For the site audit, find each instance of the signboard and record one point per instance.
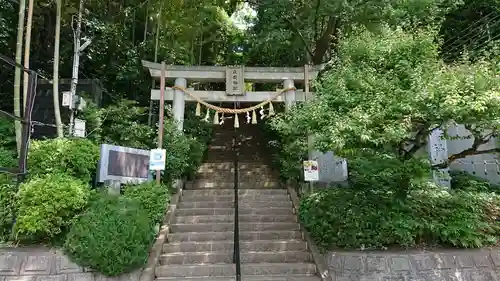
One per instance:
(79, 128)
(123, 164)
(157, 159)
(331, 168)
(234, 81)
(66, 99)
(311, 170)
(438, 153)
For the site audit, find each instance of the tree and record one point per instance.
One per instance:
(17, 75)
(388, 92)
(55, 81)
(27, 48)
(311, 30)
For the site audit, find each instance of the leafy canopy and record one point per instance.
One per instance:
(388, 91)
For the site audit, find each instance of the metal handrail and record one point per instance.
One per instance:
(236, 250)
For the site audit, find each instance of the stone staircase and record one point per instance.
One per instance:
(200, 243)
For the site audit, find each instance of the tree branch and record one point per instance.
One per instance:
(323, 43)
(463, 154)
(318, 4)
(302, 38)
(473, 150)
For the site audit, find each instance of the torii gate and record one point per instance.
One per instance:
(235, 78)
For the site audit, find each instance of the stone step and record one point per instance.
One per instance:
(229, 211)
(227, 176)
(229, 270)
(230, 204)
(229, 166)
(210, 183)
(246, 278)
(230, 218)
(242, 170)
(225, 227)
(225, 192)
(227, 257)
(229, 236)
(218, 246)
(241, 197)
(205, 205)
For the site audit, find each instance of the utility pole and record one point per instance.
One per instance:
(76, 63)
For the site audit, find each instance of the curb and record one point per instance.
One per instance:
(148, 273)
(318, 258)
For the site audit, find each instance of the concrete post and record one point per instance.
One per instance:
(179, 103)
(290, 95)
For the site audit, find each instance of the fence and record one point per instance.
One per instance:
(23, 117)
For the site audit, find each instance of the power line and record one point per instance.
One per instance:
(471, 25)
(14, 64)
(473, 31)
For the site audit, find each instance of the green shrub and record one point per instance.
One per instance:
(48, 204)
(371, 169)
(7, 158)
(7, 193)
(467, 182)
(287, 150)
(113, 236)
(75, 157)
(350, 218)
(152, 197)
(7, 134)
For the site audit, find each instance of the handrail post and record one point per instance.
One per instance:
(236, 253)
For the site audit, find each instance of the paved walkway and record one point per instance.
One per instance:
(442, 265)
(44, 264)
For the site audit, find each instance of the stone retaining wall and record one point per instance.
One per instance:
(457, 265)
(43, 264)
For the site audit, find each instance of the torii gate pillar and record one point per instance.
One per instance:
(290, 95)
(178, 103)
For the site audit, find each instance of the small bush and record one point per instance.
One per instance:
(75, 157)
(7, 193)
(362, 219)
(48, 204)
(113, 236)
(7, 158)
(152, 197)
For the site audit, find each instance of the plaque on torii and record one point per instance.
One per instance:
(235, 82)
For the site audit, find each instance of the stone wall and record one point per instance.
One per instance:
(456, 265)
(43, 264)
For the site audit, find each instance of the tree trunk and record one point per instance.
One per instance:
(27, 47)
(57, 111)
(17, 75)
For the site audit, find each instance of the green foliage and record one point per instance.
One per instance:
(125, 124)
(195, 127)
(471, 27)
(386, 92)
(74, 157)
(288, 32)
(288, 151)
(46, 205)
(152, 197)
(7, 136)
(467, 182)
(365, 219)
(7, 209)
(7, 158)
(113, 236)
(370, 169)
